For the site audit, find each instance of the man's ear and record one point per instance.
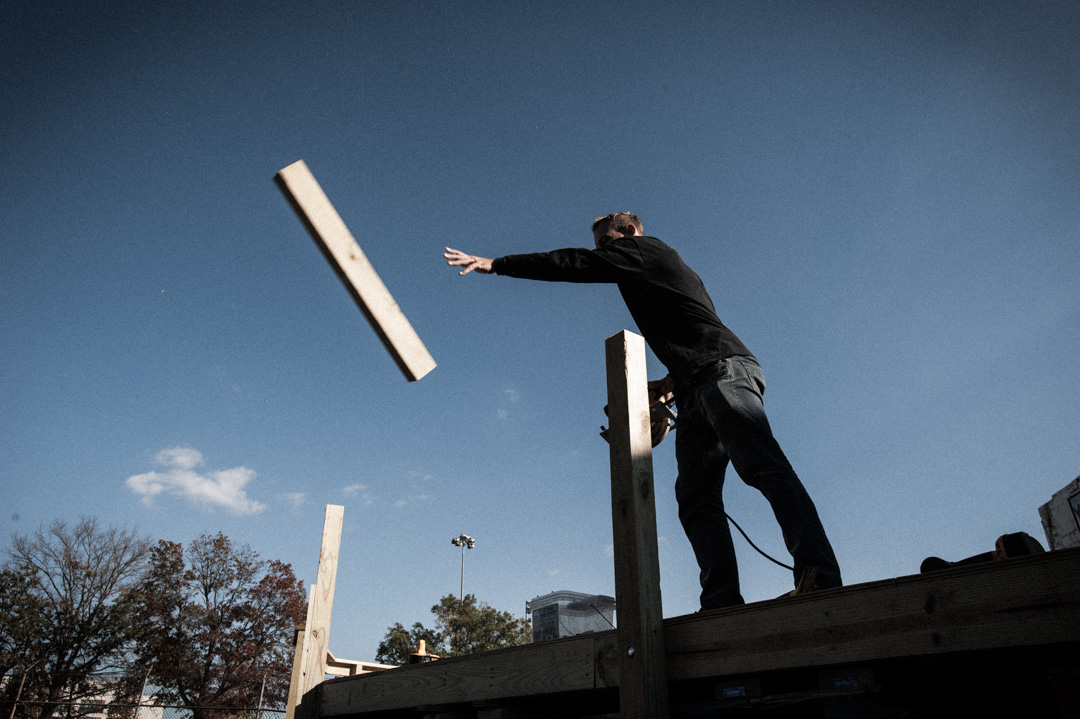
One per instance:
(629, 230)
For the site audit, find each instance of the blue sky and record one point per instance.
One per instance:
(882, 198)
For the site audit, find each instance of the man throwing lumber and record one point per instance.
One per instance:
(717, 385)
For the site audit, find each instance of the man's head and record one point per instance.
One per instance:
(616, 225)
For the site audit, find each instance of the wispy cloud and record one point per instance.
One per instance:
(511, 396)
(360, 492)
(223, 488)
(422, 497)
(295, 499)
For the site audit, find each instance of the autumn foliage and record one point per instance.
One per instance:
(93, 614)
(217, 624)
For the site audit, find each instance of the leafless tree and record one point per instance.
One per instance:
(78, 602)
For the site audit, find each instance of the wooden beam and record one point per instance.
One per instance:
(525, 671)
(350, 668)
(322, 606)
(1020, 602)
(312, 654)
(643, 689)
(356, 273)
(1008, 611)
(296, 682)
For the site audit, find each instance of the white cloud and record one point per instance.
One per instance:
(359, 491)
(609, 550)
(511, 396)
(223, 488)
(296, 499)
(179, 457)
(400, 503)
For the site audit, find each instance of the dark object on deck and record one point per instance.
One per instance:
(1019, 544)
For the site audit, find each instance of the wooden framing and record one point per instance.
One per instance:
(1014, 617)
(321, 606)
(312, 659)
(643, 688)
(997, 638)
(356, 273)
(297, 686)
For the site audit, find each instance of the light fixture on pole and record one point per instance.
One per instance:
(463, 541)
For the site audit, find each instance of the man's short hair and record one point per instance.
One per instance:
(619, 220)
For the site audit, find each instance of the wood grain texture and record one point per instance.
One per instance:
(643, 690)
(534, 669)
(321, 607)
(355, 271)
(296, 681)
(1000, 608)
(1013, 603)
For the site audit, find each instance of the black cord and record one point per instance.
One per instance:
(747, 538)
(602, 615)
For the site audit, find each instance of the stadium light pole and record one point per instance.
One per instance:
(463, 541)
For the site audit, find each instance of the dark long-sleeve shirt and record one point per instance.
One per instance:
(665, 297)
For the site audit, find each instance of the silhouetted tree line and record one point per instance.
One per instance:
(210, 622)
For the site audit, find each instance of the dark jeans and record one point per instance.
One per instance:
(722, 419)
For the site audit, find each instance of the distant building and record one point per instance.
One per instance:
(99, 706)
(566, 614)
(1061, 517)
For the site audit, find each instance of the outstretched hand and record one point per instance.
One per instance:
(468, 263)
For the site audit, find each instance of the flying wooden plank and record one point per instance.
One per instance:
(356, 273)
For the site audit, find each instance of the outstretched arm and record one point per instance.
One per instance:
(468, 263)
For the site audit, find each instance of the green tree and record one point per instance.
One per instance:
(68, 607)
(217, 626)
(462, 626)
(399, 643)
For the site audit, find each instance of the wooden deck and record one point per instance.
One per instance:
(992, 636)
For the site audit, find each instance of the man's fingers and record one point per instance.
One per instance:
(457, 258)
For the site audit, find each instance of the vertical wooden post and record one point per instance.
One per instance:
(314, 640)
(643, 690)
(296, 681)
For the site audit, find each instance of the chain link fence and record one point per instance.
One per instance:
(104, 704)
(92, 709)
